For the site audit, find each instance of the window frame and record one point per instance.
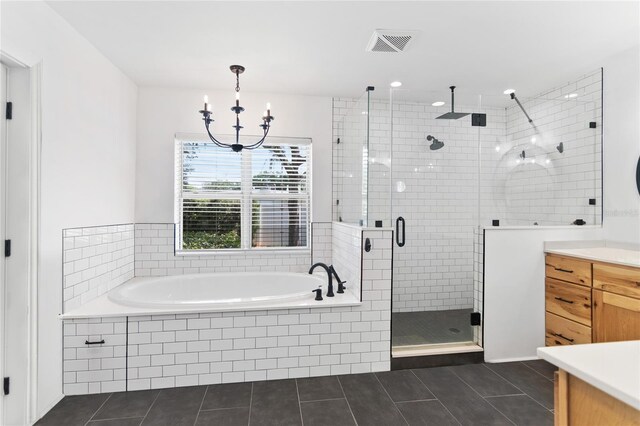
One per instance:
(245, 195)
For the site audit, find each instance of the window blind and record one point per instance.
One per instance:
(255, 199)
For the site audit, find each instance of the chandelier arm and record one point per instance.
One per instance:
(257, 144)
(213, 139)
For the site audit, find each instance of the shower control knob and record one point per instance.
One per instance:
(318, 292)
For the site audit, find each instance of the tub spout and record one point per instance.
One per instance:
(341, 285)
(330, 282)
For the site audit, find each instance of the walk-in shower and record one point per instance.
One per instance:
(438, 183)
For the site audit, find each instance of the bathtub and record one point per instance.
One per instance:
(216, 290)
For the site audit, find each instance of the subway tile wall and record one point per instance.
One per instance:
(478, 280)
(95, 368)
(191, 349)
(436, 193)
(346, 249)
(95, 260)
(548, 187)
(155, 256)
(321, 242)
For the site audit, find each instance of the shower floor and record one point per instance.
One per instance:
(430, 327)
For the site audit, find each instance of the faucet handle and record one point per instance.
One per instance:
(341, 287)
(318, 292)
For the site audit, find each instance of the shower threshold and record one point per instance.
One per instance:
(434, 349)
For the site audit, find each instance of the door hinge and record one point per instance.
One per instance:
(9, 111)
(5, 385)
(7, 248)
(476, 318)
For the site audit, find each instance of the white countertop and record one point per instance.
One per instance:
(603, 253)
(614, 368)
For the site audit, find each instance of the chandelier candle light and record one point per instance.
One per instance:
(267, 118)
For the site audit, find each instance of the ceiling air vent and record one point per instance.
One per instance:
(390, 41)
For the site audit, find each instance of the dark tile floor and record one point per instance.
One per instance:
(429, 327)
(518, 393)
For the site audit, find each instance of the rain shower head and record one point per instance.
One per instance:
(452, 115)
(436, 144)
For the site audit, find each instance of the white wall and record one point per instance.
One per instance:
(164, 112)
(88, 155)
(514, 288)
(621, 146)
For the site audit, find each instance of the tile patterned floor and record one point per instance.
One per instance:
(519, 393)
(429, 327)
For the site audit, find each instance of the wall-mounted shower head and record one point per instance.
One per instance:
(436, 144)
(560, 147)
(452, 115)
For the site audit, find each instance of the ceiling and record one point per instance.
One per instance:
(318, 48)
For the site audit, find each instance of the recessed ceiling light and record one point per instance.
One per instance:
(438, 103)
(396, 84)
(509, 91)
(571, 96)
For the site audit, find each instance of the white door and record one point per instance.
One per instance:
(15, 223)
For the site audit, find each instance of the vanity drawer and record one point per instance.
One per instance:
(568, 269)
(561, 331)
(617, 279)
(568, 300)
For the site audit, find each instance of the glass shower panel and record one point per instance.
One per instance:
(351, 156)
(434, 206)
(546, 171)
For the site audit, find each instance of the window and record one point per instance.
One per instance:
(255, 199)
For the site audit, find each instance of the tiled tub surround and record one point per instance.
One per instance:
(346, 247)
(222, 347)
(96, 259)
(155, 256)
(321, 242)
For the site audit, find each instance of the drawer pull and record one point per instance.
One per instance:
(99, 342)
(562, 337)
(568, 271)
(564, 300)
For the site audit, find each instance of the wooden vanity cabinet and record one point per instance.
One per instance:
(589, 302)
(616, 303)
(567, 301)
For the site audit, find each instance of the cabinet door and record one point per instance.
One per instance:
(615, 317)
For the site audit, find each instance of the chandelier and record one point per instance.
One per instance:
(267, 118)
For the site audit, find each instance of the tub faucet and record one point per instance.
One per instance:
(341, 285)
(326, 268)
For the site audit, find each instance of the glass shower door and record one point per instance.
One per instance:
(434, 205)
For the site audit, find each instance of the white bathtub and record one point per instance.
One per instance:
(217, 290)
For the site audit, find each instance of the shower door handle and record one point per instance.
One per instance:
(399, 220)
